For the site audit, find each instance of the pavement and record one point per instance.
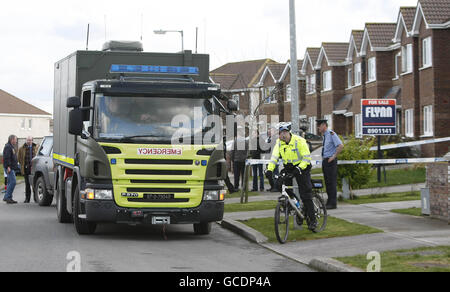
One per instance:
(400, 232)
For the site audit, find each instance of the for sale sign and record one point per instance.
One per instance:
(378, 117)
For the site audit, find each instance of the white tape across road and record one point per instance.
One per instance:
(409, 144)
(374, 161)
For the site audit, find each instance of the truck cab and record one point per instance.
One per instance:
(145, 149)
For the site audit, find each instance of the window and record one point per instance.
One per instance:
(407, 65)
(236, 99)
(311, 83)
(312, 125)
(358, 126)
(426, 52)
(46, 146)
(327, 80)
(357, 74)
(269, 95)
(288, 93)
(372, 69)
(22, 124)
(409, 123)
(349, 78)
(329, 119)
(428, 120)
(397, 64)
(30, 124)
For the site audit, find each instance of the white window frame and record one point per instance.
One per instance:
(427, 53)
(327, 80)
(358, 126)
(312, 125)
(288, 93)
(30, 124)
(267, 93)
(311, 83)
(329, 119)
(236, 98)
(428, 120)
(407, 60)
(349, 77)
(357, 73)
(409, 123)
(396, 62)
(22, 124)
(372, 69)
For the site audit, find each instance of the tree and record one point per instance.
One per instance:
(356, 174)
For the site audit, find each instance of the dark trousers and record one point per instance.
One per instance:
(330, 176)
(27, 188)
(238, 168)
(258, 171)
(305, 190)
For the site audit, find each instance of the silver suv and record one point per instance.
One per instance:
(42, 174)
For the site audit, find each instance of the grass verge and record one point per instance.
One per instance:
(238, 195)
(428, 259)
(384, 198)
(252, 206)
(335, 228)
(410, 211)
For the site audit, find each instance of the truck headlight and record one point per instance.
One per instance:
(103, 195)
(214, 195)
(91, 194)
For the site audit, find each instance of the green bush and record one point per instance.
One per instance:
(356, 174)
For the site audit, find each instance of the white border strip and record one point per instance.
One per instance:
(374, 161)
(408, 144)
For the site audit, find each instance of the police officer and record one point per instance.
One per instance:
(332, 147)
(297, 160)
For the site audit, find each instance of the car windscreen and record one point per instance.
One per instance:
(150, 119)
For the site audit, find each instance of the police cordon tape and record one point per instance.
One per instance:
(347, 162)
(408, 144)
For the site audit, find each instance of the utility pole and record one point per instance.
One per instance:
(294, 71)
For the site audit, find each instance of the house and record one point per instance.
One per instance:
(348, 105)
(275, 84)
(312, 110)
(332, 62)
(425, 62)
(22, 119)
(237, 81)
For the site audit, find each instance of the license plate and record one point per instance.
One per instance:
(161, 220)
(159, 197)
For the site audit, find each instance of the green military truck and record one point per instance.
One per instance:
(114, 156)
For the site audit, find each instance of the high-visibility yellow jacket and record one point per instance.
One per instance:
(296, 152)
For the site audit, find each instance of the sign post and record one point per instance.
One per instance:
(379, 119)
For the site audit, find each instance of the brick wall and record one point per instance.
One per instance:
(438, 181)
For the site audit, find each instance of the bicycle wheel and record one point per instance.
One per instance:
(320, 212)
(282, 221)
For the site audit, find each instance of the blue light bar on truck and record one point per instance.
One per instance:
(144, 69)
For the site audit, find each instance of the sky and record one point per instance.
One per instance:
(34, 35)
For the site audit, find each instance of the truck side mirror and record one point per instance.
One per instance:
(73, 102)
(76, 122)
(232, 105)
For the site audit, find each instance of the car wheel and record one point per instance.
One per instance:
(43, 197)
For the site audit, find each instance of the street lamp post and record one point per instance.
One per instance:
(161, 32)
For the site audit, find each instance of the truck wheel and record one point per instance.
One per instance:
(82, 226)
(42, 196)
(63, 215)
(203, 228)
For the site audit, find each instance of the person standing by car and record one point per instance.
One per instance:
(11, 166)
(257, 169)
(332, 147)
(26, 153)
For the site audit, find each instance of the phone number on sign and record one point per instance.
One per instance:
(380, 131)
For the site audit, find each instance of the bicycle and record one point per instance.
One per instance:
(288, 206)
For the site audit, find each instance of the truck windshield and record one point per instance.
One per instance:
(150, 119)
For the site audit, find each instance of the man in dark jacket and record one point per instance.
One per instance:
(26, 153)
(11, 166)
(238, 157)
(257, 169)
